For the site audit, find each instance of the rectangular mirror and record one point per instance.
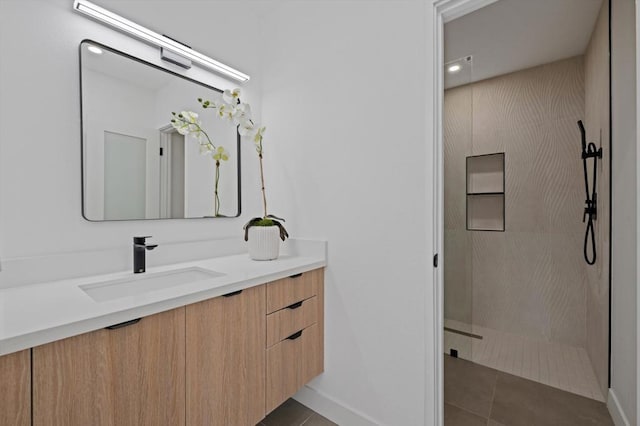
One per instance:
(135, 165)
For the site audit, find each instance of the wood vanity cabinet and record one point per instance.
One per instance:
(295, 334)
(15, 389)
(226, 359)
(131, 375)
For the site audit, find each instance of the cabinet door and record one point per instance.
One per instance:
(15, 388)
(133, 375)
(226, 359)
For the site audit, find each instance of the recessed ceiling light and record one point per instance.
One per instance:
(454, 68)
(94, 49)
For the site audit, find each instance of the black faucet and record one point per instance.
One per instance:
(139, 254)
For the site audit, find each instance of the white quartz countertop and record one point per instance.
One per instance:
(35, 314)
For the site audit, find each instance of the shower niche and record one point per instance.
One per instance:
(485, 192)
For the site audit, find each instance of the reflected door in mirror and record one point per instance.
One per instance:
(125, 166)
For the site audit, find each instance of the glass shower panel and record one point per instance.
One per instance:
(458, 130)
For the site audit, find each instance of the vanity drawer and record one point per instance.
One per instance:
(290, 290)
(283, 323)
(292, 363)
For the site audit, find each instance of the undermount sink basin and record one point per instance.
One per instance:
(146, 283)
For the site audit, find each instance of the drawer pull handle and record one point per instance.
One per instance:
(295, 305)
(295, 275)
(233, 293)
(294, 336)
(123, 324)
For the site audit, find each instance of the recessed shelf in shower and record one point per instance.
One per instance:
(485, 192)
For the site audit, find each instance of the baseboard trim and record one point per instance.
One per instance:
(332, 409)
(617, 414)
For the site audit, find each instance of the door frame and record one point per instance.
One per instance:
(443, 11)
(164, 172)
(637, 6)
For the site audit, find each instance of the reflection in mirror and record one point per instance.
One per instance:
(135, 165)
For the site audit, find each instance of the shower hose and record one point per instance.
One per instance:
(590, 211)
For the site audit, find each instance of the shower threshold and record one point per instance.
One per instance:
(463, 333)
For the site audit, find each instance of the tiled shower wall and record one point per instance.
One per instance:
(597, 126)
(530, 279)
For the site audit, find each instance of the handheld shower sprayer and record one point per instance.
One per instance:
(589, 150)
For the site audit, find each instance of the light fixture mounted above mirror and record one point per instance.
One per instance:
(170, 47)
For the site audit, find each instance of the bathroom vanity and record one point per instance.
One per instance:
(231, 350)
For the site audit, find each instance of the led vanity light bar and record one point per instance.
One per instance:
(152, 37)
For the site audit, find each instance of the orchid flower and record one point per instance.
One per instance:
(242, 113)
(224, 110)
(206, 148)
(231, 96)
(245, 127)
(186, 122)
(220, 154)
(259, 134)
(257, 139)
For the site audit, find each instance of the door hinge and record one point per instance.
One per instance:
(435, 260)
(161, 151)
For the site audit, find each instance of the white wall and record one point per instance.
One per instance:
(347, 148)
(40, 117)
(623, 261)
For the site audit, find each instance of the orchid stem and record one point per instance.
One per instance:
(264, 196)
(216, 199)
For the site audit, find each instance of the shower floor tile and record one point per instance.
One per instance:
(554, 364)
(512, 400)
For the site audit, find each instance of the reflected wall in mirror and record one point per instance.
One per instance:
(135, 165)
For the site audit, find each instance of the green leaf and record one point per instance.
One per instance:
(283, 232)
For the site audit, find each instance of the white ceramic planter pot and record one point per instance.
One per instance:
(264, 242)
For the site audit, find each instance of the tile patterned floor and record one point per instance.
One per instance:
(561, 366)
(475, 395)
(478, 395)
(292, 413)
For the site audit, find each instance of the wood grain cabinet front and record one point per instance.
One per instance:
(15, 388)
(226, 360)
(286, 291)
(295, 334)
(129, 375)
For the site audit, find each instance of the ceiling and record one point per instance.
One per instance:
(511, 35)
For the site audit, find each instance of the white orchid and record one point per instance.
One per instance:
(186, 122)
(245, 128)
(259, 134)
(206, 148)
(242, 113)
(231, 96)
(230, 108)
(220, 154)
(224, 110)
